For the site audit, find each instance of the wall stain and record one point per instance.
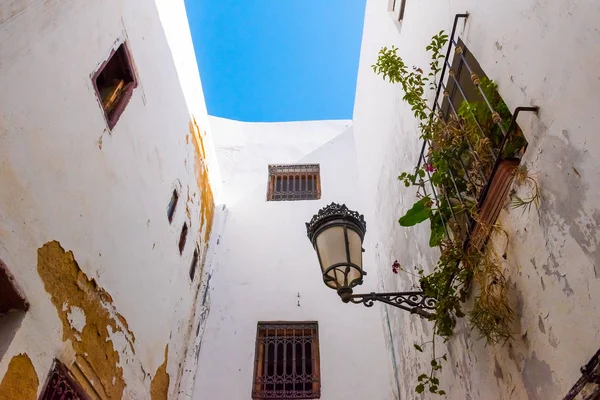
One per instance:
(537, 378)
(207, 202)
(159, 388)
(20, 381)
(68, 285)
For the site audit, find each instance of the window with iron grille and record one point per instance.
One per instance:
(61, 385)
(294, 182)
(287, 361)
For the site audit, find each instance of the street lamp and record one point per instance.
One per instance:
(337, 234)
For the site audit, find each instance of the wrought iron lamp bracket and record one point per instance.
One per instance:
(413, 302)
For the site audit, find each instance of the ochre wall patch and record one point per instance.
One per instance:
(20, 381)
(68, 286)
(159, 388)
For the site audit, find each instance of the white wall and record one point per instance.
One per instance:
(264, 261)
(102, 195)
(542, 53)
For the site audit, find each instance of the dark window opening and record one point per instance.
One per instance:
(194, 264)
(294, 182)
(172, 205)
(398, 8)
(60, 385)
(183, 237)
(114, 82)
(287, 361)
(12, 309)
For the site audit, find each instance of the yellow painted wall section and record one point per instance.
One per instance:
(69, 286)
(20, 381)
(207, 202)
(159, 388)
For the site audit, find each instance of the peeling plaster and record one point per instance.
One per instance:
(207, 202)
(92, 331)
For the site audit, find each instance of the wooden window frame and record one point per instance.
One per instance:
(290, 182)
(121, 96)
(286, 332)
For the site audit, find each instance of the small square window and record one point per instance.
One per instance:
(294, 182)
(114, 83)
(287, 361)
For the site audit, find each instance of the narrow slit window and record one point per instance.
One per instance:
(286, 362)
(114, 83)
(294, 182)
(172, 206)
(183, 237)
(398, 7)
(194, 264)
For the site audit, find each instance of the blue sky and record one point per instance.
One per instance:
(278, 60)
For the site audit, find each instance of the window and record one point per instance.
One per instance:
(183, 237)
(194, 264)
(114, 83)
(61, 385)
(287, 361)
(398, 8)
(172, 205)
(12, 309)
(294, 182)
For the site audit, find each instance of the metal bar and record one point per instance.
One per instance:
(437, 201)
(457, 84)
(415, 302)
(437, 92)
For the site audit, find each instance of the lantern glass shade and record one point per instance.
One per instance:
(340, 256)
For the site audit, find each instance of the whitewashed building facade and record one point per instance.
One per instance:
(148, 250)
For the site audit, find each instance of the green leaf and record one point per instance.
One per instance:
(437, 230)
(433, 363)
(420, 388)
(419, 348)
(421, 377)
(435, 381)
(433, 389)
(441, 393)
(418, 213)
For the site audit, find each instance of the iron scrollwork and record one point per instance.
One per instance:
(414, 302)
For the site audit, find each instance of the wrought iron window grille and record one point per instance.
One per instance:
(294, 182)
(590, 374)
(61, 385)
(451, 84)
(286, 362)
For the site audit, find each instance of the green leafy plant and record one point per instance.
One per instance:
(461, 154)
